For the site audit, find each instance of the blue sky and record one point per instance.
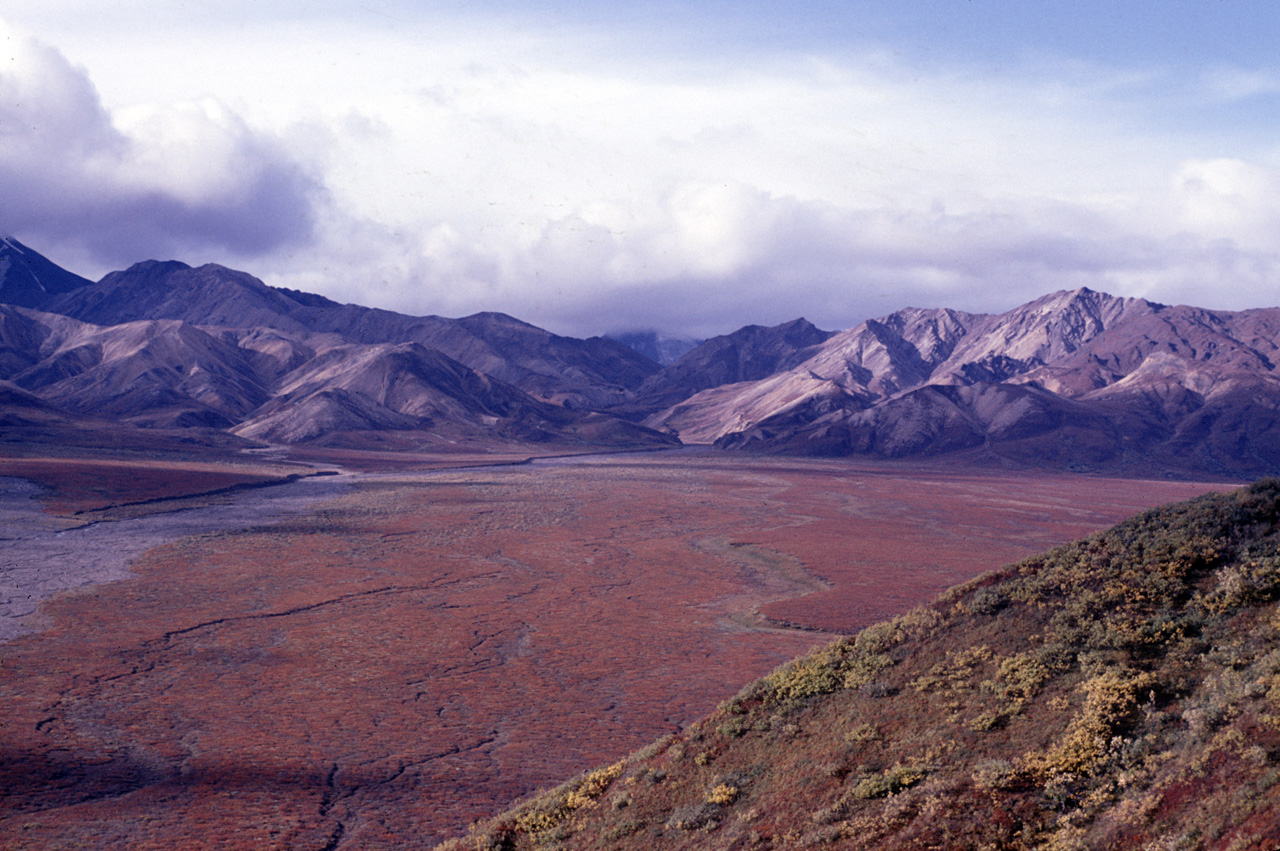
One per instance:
(687, 167)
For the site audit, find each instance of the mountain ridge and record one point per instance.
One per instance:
(1075, 379)
(1126, 377)
(170, 374)
(28, 279)
(588, 372)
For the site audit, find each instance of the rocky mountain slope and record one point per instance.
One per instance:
(267, 385)
(748, 354)
(588, 373)
(1080, 378)
(28, 279)
(163, 345)
(1122, 692)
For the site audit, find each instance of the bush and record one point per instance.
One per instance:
(723, 794)
(545, 814)
(694, 816)
(1110, 700)
(891, 782)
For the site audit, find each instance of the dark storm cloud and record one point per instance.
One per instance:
(195, 178)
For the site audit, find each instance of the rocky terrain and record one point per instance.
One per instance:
(1079, 379)
(1075, 380)
(212, 350)
(748, 354)
(1121, 692)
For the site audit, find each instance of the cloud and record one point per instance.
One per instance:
(115, 188)
(1227, 198)
(455, 165)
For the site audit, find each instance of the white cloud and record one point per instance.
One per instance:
(1230, 83)
(458, 165)
(1227, 198)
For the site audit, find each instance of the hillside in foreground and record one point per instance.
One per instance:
(1119, 692)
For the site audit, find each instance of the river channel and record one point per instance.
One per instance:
(40, 558)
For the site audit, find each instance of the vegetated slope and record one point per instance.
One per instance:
(1119, 692)
(1080, 378)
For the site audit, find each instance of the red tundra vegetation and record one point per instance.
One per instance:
(419, 653)
(81, 485)
(1119, 692)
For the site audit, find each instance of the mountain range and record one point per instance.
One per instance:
(1076, 379)
(205, 350)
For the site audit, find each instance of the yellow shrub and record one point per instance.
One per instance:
(555, 807)
(723, 794)
(1109, 699)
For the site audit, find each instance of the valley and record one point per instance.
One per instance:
(311, 575)
(433, 641)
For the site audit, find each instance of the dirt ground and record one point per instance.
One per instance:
(414, 654)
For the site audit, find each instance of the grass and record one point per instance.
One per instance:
(1119, 692)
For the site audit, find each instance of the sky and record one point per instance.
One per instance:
(685, 167)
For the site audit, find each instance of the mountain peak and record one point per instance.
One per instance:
(1077, 298)
(28, 279)
(497, 318)
(154, 269)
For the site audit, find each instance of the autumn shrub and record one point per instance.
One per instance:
(845, 664)
(1254, 579)
(986, 601)
(1017, 681)
(623, 829)
(547, 812)
(864, 732)
(994, 774)
(808, 676)
(955, 672)
(1110, 701)
(694, 816)
(890, 782)
(992, 719)
(723, 794)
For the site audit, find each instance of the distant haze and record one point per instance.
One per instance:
(682, 168)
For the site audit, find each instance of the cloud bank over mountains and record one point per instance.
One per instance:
(591, 180)
(132, 182)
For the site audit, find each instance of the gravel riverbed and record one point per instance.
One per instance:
(39, 558)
